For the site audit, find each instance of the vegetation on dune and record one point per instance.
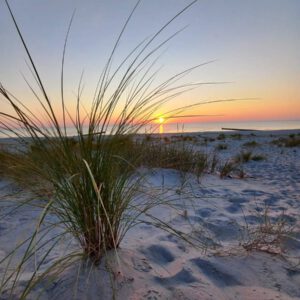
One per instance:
(258, 157)
(289, 142)
(270, 233)
(243, 156)
(91, 182)
(236, 136)
(221, 146)
(175, 155)
(227, 168)
(251, 144)
(221, 137)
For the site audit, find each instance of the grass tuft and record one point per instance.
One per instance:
(221, 147)
(176, 155)
(227, 168)
(243, 156)
(93, 187)
(221, 137)
(288, 142)
(269, 234)
(258, 157)
(251, 144)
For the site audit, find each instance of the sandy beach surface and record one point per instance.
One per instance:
(247, 225)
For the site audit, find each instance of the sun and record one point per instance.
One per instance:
(161, 120)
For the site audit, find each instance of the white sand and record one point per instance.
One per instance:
(156, 265)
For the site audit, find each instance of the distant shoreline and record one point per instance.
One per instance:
(199, 127)
(227, 131)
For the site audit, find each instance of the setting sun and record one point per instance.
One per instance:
(161, 120)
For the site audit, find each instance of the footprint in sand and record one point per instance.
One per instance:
(219, 277)
(292, 272)
(271, 276)
(182, 277)
(152, 295)
(234, 208)
(159, 254)
(141, 264)
(224, 230)
(204, 212)
(171, 238)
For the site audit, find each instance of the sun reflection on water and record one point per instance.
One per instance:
(161, 128)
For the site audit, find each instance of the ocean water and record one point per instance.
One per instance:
(219, 126)
(209, 126)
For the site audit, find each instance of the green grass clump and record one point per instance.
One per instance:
(258, 157)
(243, 156)
(177, 155)
(294, 142)
(246, 156)
(227, 168)
(208, 139)
(188, 138)
(12, 166)
(221, 147)
(269, 234)
(236, 136)
(278, 142)
(94, 189)
(251, 144)
(213, 162)
(289, 142)
(166, 139)
(221, 137)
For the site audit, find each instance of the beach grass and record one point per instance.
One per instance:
(90, 181)
(269, 234)
(222, 146)
(227, 168)
(288, 142)
(243, 156)
(175, 155)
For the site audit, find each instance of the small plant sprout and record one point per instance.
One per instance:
(269, 234)
(227, 168)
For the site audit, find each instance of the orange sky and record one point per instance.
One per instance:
(255, 44)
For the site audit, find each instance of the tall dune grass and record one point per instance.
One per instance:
(91, 183)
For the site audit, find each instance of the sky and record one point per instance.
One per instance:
(254, 46)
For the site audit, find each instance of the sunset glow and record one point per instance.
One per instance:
(161, 120)
(255, 55)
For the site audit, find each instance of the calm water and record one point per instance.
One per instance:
(213, 126)
(217, 126)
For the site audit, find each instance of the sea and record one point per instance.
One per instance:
(224, 126)
(208, 127)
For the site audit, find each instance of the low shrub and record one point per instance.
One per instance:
(258, 157)
(287, 142)
(243, 156)
(221, 137)
(236, 136)
(227, 168)
(268, 235)
(221, 147)
(177, 155)
(251, 144)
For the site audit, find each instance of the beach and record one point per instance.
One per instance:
(244, 222)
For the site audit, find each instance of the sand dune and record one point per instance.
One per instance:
(236, 259)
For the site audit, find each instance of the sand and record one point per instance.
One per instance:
(224, 215)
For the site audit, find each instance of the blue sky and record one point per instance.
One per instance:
(256, 45)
